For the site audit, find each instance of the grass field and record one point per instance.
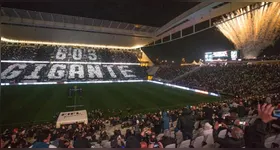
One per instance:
(40, 102)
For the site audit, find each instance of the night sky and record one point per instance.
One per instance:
(145, 12)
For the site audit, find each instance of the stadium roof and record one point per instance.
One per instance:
(154, 13)
(104, 22)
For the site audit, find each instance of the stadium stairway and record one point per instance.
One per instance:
(181, 76)
(152, 70)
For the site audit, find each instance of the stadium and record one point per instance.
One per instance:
(140, 74)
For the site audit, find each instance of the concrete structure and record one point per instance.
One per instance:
(38, 26)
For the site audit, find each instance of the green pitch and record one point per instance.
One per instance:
(40, 102)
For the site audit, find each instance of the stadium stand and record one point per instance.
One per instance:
(32, 52)
(237, 80)
(26, 72)
(169, 72)
(191, 125)
(247, 117)
(231, 123)
(41, 63)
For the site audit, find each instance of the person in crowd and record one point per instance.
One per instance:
(251, 111)
(208, 113)
(255, 134)
(137, 127)
(143, 144)
(241, 110)
(117, 142)
(81, 141)
(179, 138)
(225, 109)
(185, 123)
(43, 140)
(59, 142)
(174, 116)
(157, 122)
(167, 139)
(4, 143)
(207, 129)
(128, 134)
(235, 141)
(165, 119)
(198, 129)
(154, 143)
(67, 144)
(104, 136)
(268, 100)
(132, 142)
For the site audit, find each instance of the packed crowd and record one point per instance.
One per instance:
(272, 57)
(27, 72)
(243, 121)
(31, 52)
(169, 72)
(46, 70)
(237, 80)
(234, 123)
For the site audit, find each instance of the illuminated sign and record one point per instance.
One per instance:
(222, 56)
(233, 55)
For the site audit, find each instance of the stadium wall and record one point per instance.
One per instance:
(31, 33)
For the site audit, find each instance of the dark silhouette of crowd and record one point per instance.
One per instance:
(234, 123)
(237, 80)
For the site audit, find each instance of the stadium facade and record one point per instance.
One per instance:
(46, 47)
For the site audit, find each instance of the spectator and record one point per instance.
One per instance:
(117, 142)
(128, 134)
(4, 144)
(186, 123)
(157, 124)
(132, 142)
(153, 143)
(81, 141)
(59, 142)
(198, 130)
(43, 140)
(255, 134)
(143, 144)
(179, 138)
(167, 139)
(225, 109)
(208, 113)
(207, 129)
(241, 110)
(236, 141)
(67, 144)
(165, 121)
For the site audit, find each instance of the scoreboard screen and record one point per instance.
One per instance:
(222, 56)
